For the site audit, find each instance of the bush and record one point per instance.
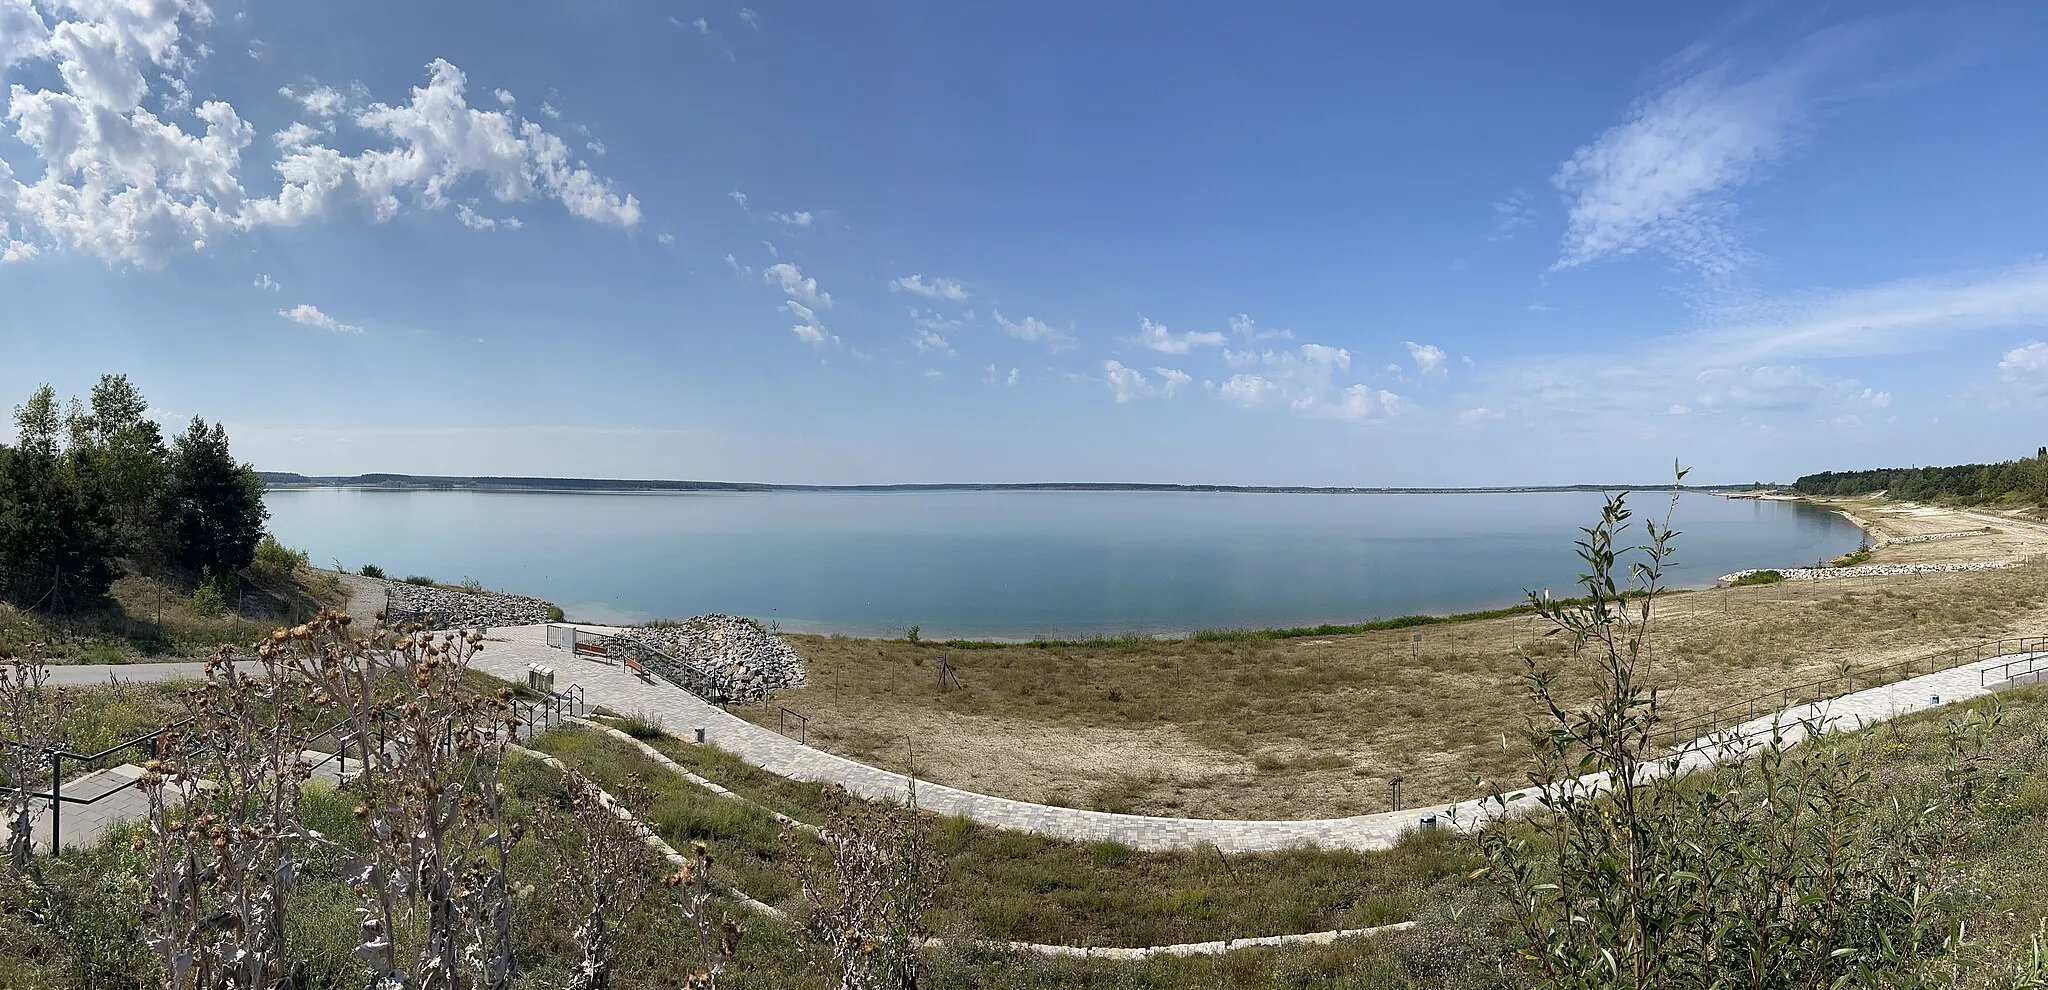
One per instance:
(275, 556)
(1758, 577)
(639, 726)
(471, 585)
(419, 579)
(371, 571)
(555, 613)
(210, 599)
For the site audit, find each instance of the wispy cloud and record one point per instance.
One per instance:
(308, 315)
(1510, 215)
(933, 288)
(266, 283)
(1664, 177)
(1157, 337)
(1130, 383)
(929, 341)
(800, 218)
(793, 283)
(1480, 415)
(1250, 332)
(1033, 329)
(2026, 365)
(1304, 379)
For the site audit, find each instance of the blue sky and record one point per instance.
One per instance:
(1191, 242)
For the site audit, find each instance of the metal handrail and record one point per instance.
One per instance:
(2032, 661)
(803, 724)
(1762, 704)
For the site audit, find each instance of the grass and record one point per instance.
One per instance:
(1754, 578)
(153, 617)
(1013, 886)
(1295, 723)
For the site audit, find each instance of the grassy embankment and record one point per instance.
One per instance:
(1314, 722)
(151, 617)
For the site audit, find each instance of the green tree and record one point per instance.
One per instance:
(126, 463)
(56, 544)
(212, 507)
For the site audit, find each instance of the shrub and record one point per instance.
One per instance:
(275, 556)
(555, 613)
(371, 571)
(911, 633)
(639, 726)
(419, 579)
(210, 599)
(1758, 577)
(471, 585)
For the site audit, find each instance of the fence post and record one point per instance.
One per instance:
(56, 802)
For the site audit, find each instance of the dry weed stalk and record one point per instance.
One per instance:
(31, 724)
(604, 866)
(867, 908)
(223, 826)
(716, 940)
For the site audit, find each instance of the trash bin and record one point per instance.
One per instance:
(1428, 821)
(700, 734)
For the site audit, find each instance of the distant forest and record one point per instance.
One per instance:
(2023, 481)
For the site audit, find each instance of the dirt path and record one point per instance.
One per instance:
(365, 597)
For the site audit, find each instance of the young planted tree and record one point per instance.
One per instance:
(212, 506)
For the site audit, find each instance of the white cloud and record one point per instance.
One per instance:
(1479, 415)
(736, 266)
(505, 97)
(934, 373)
(1664, 177)
(1364, 404)
(2026, 364)
(595, 147)
(266, 283)
(1157, 337)
(701, 25)
(665, 239)
(298, 135)
(1784, 388)
(737, 197)
(320, 101)
(936, 288)
(930, 341)
(311, 316)
(796, 286)
(1034, 329)
(1127, 383)
(770, 245)
(1896, 318)
(1678, 409)
(1251, 333)
(120, 183)
(549, 110)
(1249, 391)
(747, 14)
(801, 218)
(1429, 359)
(1012, 380)
(470, 218)
(1172, 380)
(810, 330)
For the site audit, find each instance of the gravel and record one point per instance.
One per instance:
(441, 608)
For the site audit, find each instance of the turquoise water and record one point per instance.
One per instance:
(1019, 564)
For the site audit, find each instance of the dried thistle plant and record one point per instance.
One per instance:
(869, 898)
(436, 901)
(219, 842)
(31, 723)
(718, 939)
(604, 869)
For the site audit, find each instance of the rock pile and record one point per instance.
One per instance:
(722, 657)
(1873, 570)
(440, 608)
(1926, 537)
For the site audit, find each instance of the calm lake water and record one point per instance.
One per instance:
(1020, 564)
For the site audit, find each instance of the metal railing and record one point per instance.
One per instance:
(784, 716)
(57, 799)
(1726, 716)
(2034, 665)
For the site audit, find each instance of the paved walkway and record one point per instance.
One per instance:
(511, 649)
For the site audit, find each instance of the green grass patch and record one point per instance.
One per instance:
(1756, 578)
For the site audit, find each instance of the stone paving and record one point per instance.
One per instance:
(510, 650)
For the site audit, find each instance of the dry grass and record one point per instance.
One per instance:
(147, 618)
(1314, 727)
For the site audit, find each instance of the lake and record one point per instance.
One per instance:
(1020, 564)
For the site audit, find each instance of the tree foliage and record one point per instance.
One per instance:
(212, 506)
(56, 542)
(2024, 480)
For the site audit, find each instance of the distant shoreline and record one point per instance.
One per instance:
(285, 481)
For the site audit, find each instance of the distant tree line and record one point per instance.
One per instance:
(2024, 480)
(86, 485)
